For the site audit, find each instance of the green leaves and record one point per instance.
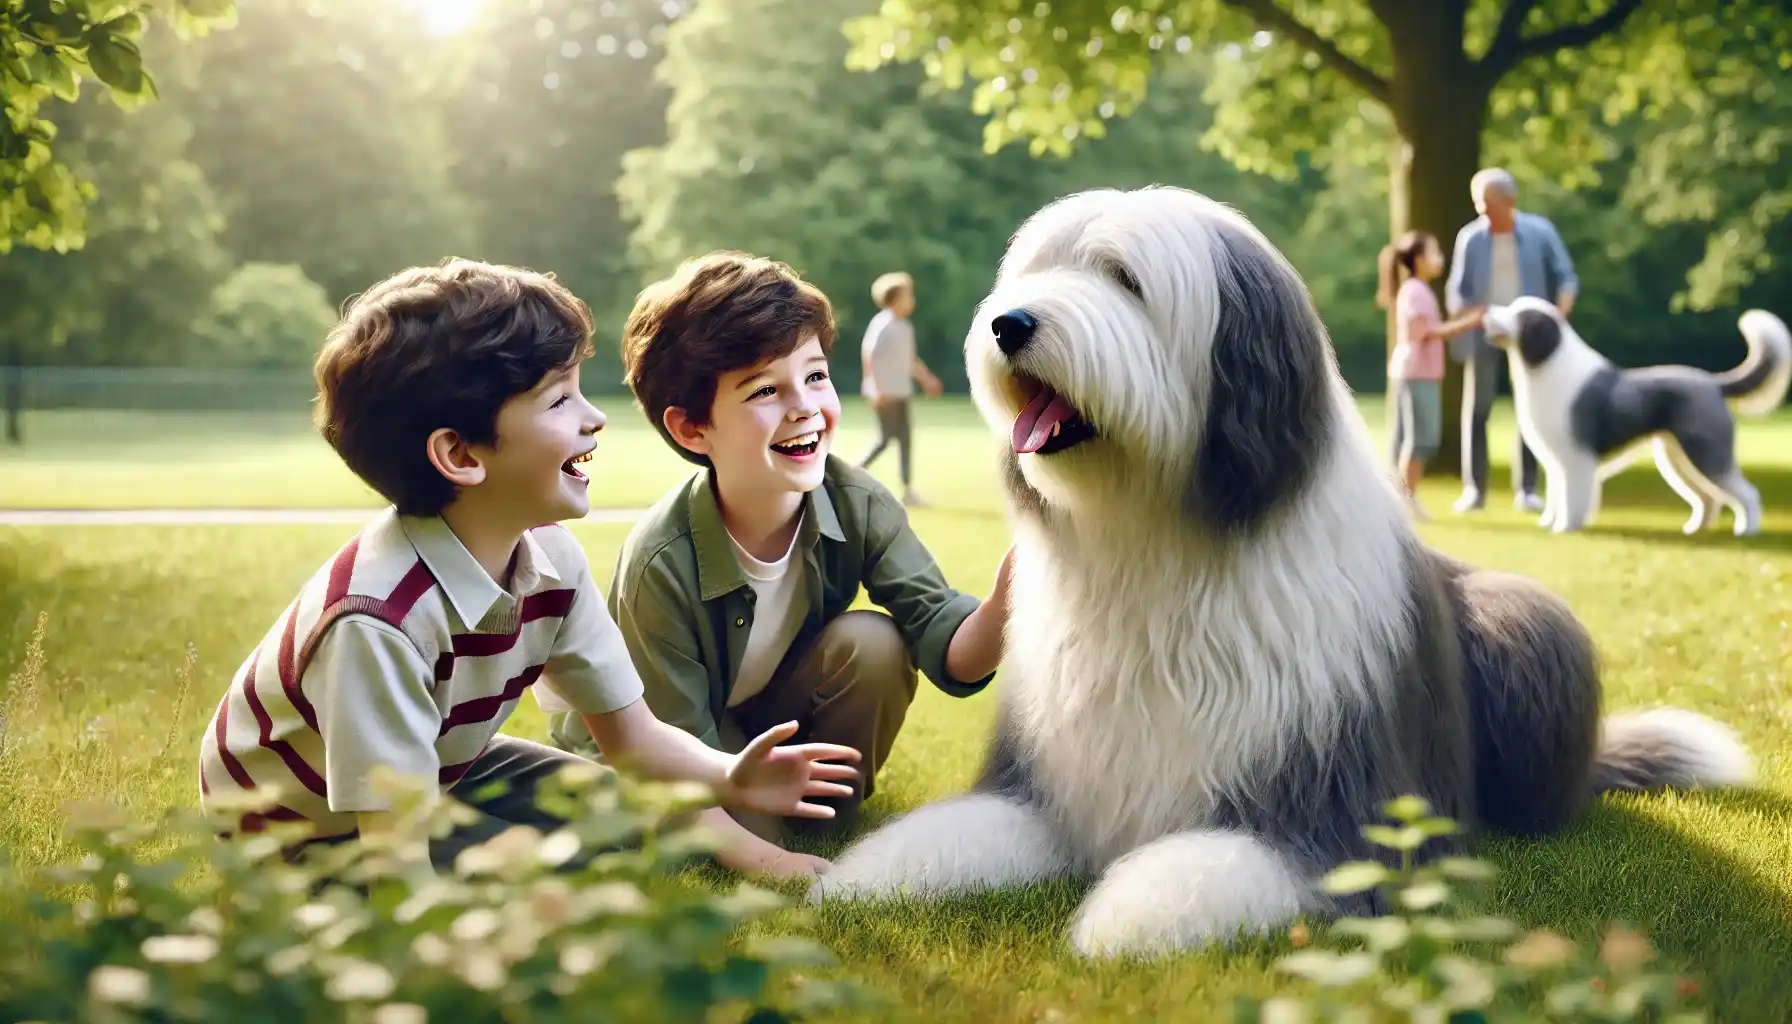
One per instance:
(118, 63)
(248, 934)
(1418, 961)
(48, 50)
(1356, 876)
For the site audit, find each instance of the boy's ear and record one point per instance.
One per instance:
(454, 458)
(689, 435)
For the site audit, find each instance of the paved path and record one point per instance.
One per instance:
(227, 516)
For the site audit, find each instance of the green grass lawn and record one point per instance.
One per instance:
(1704, 623)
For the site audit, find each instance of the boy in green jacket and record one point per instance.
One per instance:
(732, 592)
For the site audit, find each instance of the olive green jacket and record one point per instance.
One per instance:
(685, 608)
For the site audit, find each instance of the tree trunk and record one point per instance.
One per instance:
(15, 392)
(1439, 103)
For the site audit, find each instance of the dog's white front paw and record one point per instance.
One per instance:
(974, 842)
(1186, 891)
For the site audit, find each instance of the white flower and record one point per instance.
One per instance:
(313, 916)
(476, 924)
(206, 920)
(482, 969)
(612, 898)
(288, 960)
(180, 949)
(401, 1013)
(559, 848)
(580, 958)
(358, 979)
(431, 949)
(110, 983)
(551, 902)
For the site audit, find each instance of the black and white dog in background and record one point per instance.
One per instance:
(1227, 646)
(1587, 419)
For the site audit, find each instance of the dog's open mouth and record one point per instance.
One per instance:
(1048, 422)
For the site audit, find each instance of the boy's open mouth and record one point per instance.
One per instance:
(1047, 422)
(570, 466)
(800, 446)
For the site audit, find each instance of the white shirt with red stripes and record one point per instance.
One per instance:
(403, 653)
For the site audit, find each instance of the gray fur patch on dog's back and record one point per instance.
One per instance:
(1617, 408)
(1531, 674)
(1414, 740)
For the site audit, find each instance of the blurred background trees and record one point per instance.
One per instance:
(295, 151)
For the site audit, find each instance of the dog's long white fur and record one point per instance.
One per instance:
(1285, 633)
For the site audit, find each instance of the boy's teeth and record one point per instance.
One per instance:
(798, 442)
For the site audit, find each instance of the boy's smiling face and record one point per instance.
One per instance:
(543, 436)
(771, 426)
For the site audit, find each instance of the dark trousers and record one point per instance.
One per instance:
(851, 685)
(892, 425)
(1480, 385)
(521, 766)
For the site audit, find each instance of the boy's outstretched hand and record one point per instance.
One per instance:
(776, 780)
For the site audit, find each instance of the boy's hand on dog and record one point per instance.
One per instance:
(1004, 574)
(776, 780)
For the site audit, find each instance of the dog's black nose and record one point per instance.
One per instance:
(1013, 330)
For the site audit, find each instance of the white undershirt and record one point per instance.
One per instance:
(777, 616)
(1503, 283)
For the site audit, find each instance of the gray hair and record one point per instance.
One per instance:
(1496, 178)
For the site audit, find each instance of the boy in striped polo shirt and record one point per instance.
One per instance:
(453, 391)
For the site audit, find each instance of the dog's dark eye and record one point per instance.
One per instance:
(1123, 277)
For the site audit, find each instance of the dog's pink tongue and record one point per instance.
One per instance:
(1034, 425)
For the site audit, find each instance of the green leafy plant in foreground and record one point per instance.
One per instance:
(1432, 959)
(227, 930)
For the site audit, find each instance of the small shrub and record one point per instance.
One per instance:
(265, 315)
(227, 931)
(1434, 960)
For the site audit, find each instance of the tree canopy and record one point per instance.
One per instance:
(47, 49)
(1437, 86)
(605, 140)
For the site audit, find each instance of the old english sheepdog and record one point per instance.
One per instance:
(1587, 419)
(1227, 648)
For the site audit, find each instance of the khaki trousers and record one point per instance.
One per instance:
(852, 685)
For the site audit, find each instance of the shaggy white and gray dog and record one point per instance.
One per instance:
(1227, 649)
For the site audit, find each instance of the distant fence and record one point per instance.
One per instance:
(166, 389)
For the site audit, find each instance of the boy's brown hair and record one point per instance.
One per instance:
(715, 314)
(434, 347)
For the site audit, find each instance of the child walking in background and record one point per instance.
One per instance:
(1416, 366)
(891, 365)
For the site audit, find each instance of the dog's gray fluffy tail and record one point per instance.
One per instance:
(1662, 748)
(1759, 384)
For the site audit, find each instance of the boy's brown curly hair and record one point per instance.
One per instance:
(434, 347)
(718, 313)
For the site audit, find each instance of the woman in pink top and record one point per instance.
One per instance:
(1416, 367)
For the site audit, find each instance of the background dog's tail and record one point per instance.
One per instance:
(1642, 751)
(1759, 384)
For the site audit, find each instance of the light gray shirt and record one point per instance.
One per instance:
(889, 349)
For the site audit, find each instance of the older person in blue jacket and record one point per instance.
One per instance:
(1499, 256)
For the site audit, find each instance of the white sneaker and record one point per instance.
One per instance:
(1528, 501)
